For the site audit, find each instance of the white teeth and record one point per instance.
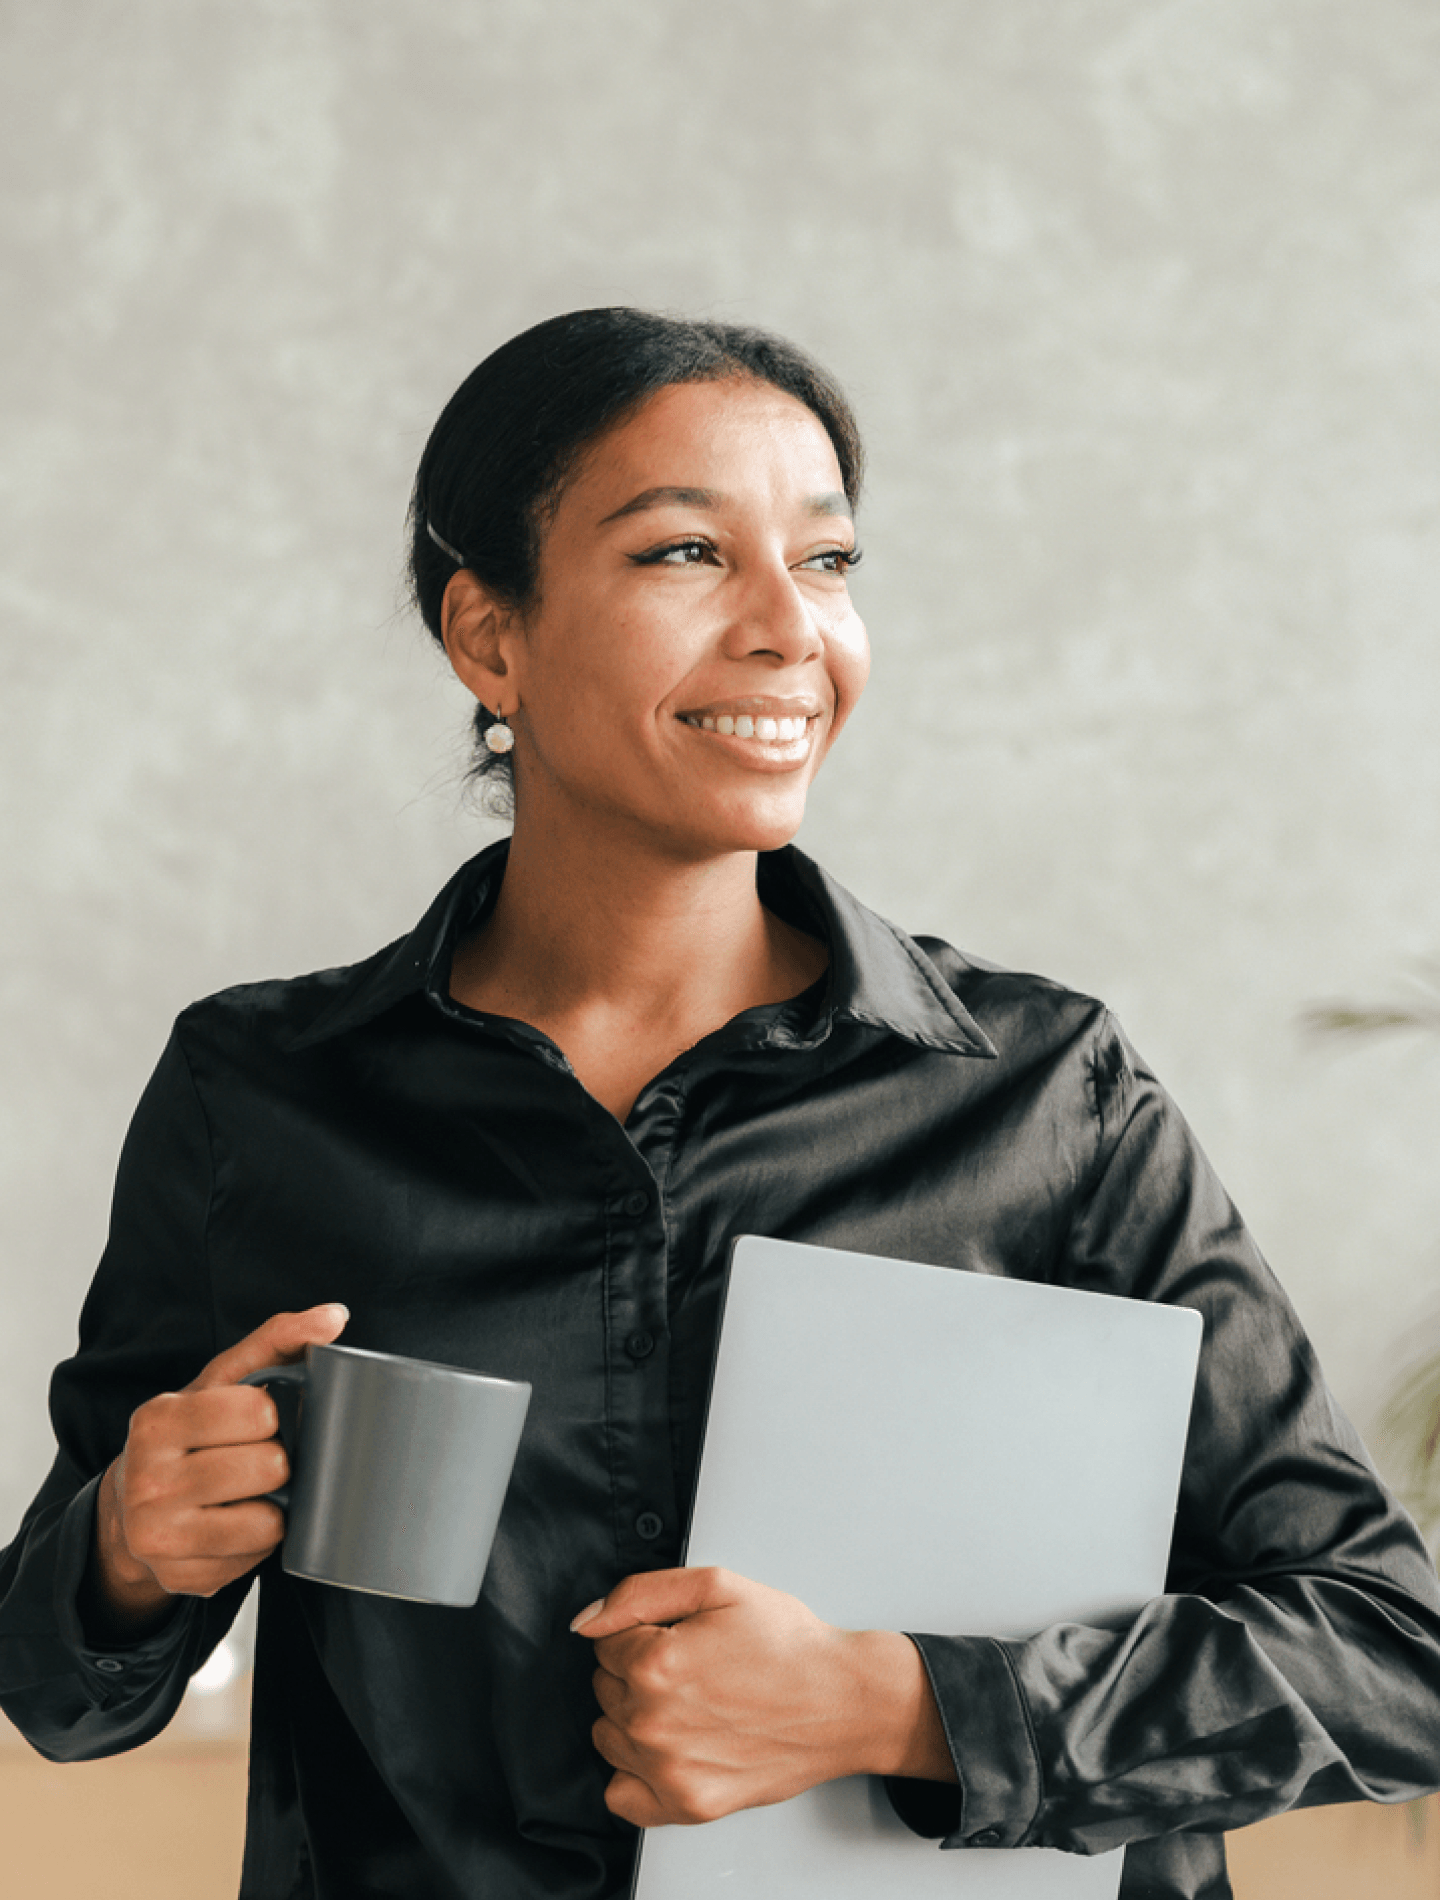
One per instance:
(768, 730)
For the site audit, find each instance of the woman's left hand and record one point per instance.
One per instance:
(718, 1693)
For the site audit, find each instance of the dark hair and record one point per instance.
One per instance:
(498, 458)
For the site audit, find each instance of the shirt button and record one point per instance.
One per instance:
(987, 1837)
(640, 1345)
(649, 1525)
(112, 1665)
(634, 1205)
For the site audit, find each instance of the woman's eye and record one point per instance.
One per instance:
(687, 553)
(695, 550)
(834, 560)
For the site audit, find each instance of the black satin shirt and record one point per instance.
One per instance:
(357, 1135)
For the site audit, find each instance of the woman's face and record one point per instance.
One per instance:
(692, 652)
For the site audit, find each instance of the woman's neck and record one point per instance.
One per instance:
(625, 959)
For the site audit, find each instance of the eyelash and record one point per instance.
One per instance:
(844, 558)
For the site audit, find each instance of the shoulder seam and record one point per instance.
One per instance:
(1111, 1077)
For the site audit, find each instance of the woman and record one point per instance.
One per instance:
(522, 1138)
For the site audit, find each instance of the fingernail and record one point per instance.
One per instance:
(343, 1311)
(590, 1611)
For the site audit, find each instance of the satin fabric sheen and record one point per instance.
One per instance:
(356, 1135)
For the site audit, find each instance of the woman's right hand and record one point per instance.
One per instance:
(182, 1511)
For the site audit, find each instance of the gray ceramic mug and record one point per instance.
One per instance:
(399, 1468)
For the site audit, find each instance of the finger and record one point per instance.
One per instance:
(623, 1654)
(219, 1415)
(611, 1692)
(220, 1474)
(614, 1745)
(282, 1338)
(169, 1542)
(202, 1577)
(251, 1528)
(656, 1596)
(626, 1795)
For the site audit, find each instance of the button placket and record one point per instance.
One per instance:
(639, 1386)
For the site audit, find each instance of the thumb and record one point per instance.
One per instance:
(282, 1338)
(656, 1596)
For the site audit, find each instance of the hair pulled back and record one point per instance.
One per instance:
(506, 442)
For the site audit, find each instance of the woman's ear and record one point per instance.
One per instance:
(478, 629)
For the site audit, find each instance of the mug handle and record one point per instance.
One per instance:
(280, 1375)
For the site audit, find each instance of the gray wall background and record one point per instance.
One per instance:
(1139, 303)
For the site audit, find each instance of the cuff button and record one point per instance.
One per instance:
(112, 1665)
(987, 1837)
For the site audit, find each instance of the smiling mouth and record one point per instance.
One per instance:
(765, 728)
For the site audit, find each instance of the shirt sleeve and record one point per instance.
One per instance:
(1295, 1657)
(146, 1327)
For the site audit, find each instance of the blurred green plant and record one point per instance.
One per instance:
(1365, 1018)
(1408, 1430)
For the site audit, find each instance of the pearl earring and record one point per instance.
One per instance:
(498, 735)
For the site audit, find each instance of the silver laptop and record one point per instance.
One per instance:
(914, 1447)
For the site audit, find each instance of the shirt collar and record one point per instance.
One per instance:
(878, 976)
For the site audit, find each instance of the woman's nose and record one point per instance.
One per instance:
(772, 615)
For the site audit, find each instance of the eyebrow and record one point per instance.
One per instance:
(834, 503)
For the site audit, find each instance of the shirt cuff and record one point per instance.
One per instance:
(74, 1536)
(72, 1699)
(987, 1729)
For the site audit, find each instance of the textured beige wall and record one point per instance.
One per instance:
(1139, 301)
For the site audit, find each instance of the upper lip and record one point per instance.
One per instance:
(758, 705)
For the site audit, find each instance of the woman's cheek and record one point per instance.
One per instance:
(849, 668)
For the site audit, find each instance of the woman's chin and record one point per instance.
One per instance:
(682, 822)
(759, 824)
